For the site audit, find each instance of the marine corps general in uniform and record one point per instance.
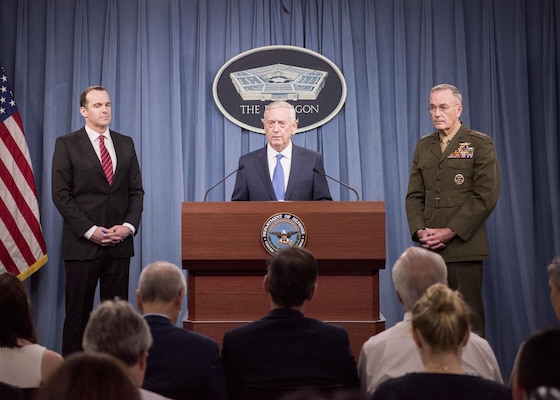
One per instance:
(453, 187)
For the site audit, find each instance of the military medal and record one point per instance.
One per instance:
(465, 150)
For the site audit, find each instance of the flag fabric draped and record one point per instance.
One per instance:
(22, 245)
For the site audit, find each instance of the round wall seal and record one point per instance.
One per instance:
(283, 230)
(311, 82)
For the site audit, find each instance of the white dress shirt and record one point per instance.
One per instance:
(94, 138)
(393, 353)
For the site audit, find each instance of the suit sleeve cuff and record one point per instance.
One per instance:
(89, 232)
(131, 227)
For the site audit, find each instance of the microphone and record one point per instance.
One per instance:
(317, 170)
(223, 179)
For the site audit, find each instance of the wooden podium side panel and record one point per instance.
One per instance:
(345, 298)
(230, 297)
(241, 297)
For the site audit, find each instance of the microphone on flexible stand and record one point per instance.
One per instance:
(223, 179)
(317, 170)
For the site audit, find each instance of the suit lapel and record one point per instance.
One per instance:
(87, 148)
(264, 174)
(119, 151)
(435, 148)
(295, 170)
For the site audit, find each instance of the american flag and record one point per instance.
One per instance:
(22, 246)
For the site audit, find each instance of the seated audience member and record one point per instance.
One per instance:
(10, 392)
(23, 362)
(440, 328)
(89, 376)
(538, 370)
(115, 328)
(554, 284)
(181, 364)
(315, 394)
(286, 349)
(393, 353)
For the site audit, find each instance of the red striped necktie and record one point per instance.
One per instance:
(106, 162)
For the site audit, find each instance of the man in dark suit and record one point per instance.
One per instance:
(285, 348)
(97, 188)
(181, 364)
(298, 181)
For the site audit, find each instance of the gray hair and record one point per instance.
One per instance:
(161, 281)
(281, 104)
(116, 328)
(454, 91)
(554, 272)
(415, 271)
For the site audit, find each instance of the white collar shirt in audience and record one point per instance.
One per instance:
(393, 353)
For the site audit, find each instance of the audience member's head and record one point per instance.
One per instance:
(291, 277)
(16, 332)
(15, 313)
(115, 328)
(554, 283)
(414, 272)
(441, 319)
(161, 289)
(538, 373)
(89, 376)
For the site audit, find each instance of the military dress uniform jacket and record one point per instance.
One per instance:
(457, 189)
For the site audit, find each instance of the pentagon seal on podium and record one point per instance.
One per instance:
(283, 230)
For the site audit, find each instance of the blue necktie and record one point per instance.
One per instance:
(278, 178)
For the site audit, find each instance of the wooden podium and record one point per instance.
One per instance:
(223, 252)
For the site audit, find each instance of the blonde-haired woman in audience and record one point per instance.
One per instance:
(23, 362)
(440, 323)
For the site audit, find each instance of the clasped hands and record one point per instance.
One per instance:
(434, 238)
(110, 236)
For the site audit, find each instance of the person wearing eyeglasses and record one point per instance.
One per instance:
(280, 170)
(453, 188)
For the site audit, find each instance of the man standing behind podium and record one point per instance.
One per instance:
(281, 170)
(97, 188)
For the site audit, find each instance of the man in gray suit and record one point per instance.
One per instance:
(296, 165)
(97, 188)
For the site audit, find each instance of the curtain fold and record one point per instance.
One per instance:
(158, 59)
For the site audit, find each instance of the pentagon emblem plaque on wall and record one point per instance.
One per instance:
(249, 81)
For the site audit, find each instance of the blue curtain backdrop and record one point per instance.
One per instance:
(158, 59)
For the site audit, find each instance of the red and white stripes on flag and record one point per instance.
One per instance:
(22, 246)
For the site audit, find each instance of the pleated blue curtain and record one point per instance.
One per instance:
(158, 59)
